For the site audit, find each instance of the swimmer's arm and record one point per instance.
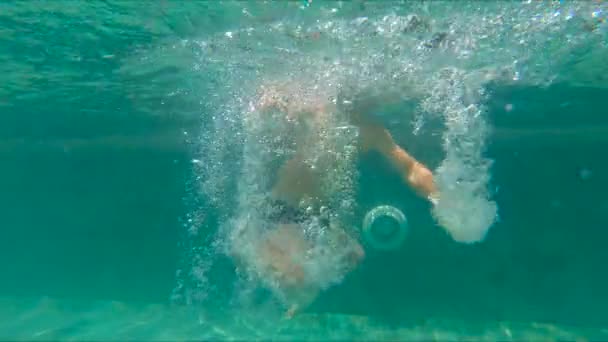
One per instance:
(415, 174)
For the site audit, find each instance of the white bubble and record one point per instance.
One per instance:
(516, 76)
(570, 15)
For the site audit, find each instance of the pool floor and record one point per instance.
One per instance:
(52, 319)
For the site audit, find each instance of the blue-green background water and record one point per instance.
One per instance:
(104, 105)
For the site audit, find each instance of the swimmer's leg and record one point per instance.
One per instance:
(282, 254)
(282, 251)
(277, 256)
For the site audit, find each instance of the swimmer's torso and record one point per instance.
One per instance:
(308, 148)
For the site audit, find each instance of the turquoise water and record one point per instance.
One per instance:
(124, 167)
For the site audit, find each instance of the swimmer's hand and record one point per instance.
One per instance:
(420, 178)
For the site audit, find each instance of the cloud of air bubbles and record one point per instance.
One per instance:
(437, 54)
(464, 207)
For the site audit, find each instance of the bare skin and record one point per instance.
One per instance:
(296, 180)
(283, 249)
(414, 173)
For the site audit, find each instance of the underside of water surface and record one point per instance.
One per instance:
(136, 170)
